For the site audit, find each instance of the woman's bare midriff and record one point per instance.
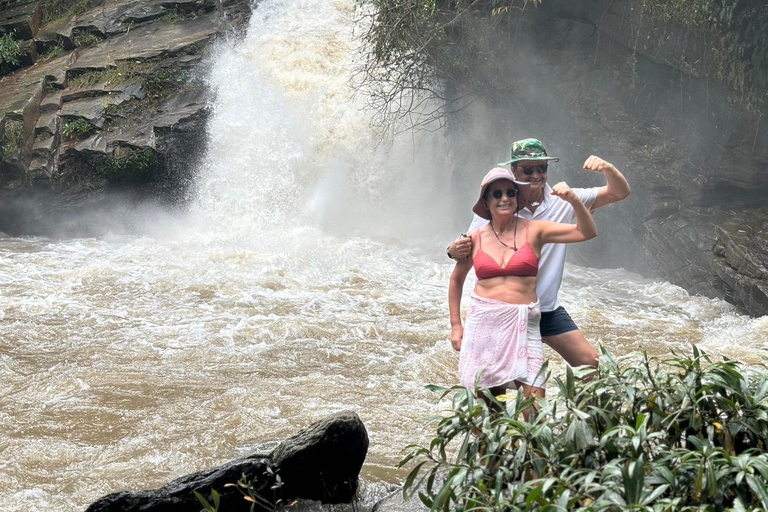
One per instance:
(511, 289)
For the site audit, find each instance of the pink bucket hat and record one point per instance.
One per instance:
(495, 174)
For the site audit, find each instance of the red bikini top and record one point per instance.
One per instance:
(523, 263)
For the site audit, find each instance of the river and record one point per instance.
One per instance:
(307, 277)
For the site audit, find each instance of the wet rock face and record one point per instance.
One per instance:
(605, 80)
(706, 230)
(114, 103)
(320, 463)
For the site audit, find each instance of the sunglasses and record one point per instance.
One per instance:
(529, 170)
(511, 193)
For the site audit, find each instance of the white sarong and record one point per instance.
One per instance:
(504, 341)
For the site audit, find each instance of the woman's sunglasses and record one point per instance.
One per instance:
(529, 170)
(511, 193)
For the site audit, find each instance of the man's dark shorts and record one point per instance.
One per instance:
(556, 322)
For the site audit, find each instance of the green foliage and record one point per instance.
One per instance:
(736, 31)
(420, 54)
(11, 52)
(166, 80)
(251, 491)
(215, 497)
(683, 434)
(129, 166)
(13, 139)
(77, 129)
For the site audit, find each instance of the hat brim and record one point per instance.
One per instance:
(479, 208)
(532, 159)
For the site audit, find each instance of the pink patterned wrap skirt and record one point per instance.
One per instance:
(504, 341)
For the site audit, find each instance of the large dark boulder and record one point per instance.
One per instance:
(321, 463)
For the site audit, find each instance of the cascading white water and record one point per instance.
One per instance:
(308, 278)
(290, 145)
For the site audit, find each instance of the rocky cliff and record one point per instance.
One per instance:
(600, 77)
(699, 164)
(108, 97)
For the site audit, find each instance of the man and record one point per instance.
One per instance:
(529, 164)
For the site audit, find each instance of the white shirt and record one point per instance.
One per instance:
(552, 259)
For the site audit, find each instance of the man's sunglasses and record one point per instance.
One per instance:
(511, 193)
(529, 170)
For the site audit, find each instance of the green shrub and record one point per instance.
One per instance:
(683, 434)
(77, 129)
(11, 52)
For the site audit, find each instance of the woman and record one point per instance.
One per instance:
(502, 335)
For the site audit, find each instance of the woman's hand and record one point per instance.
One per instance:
(563, 191)
(460, 248)
(457, 333)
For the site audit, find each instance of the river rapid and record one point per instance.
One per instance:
(307, 277)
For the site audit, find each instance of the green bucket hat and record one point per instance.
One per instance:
(529, 149)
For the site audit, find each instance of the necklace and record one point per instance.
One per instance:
(514, 243)
(537, 203)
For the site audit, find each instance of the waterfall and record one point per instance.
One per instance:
(290, 144)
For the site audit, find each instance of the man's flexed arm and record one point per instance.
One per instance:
(616, 187)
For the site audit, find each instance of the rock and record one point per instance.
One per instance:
(333, 449)
(23, 20)
(739, 258)
(321, 462)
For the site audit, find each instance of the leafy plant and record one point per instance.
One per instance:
(251, 491)
(683, 434)
(11, 52)
(76, 129)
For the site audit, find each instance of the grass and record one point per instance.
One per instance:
(122, 71)
(86, 39)
(54, 10)
(52, 52)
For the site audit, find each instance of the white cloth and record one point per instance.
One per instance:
(502, 340)
(552, 258)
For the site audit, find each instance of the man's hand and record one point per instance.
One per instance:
(460, 248)
(596, 164)
(563, 191)
(457, 334)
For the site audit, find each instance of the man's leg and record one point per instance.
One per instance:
(560, 332)
(573, 347)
